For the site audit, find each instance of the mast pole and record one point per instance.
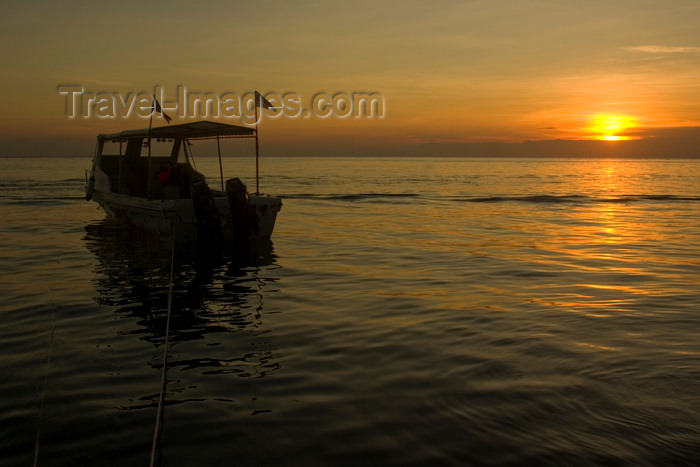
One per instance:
(119, 180)
(257, 151)
(150, 123)
(221, 167)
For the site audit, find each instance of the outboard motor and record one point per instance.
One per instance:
(205, 210)
(244, 221)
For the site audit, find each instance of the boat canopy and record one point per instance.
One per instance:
(194, 130)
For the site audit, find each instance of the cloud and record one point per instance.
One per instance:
(655, 49)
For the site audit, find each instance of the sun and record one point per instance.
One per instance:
(610, 127)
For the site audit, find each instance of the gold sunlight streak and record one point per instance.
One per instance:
(611, 127)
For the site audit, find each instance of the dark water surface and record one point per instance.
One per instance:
(406, 312)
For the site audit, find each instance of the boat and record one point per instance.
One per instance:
(146, 178)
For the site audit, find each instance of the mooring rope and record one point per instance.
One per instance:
(156, 430)
(43, 394)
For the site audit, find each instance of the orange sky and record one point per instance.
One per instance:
(453, 74)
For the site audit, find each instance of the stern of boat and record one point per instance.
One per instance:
(266, 209)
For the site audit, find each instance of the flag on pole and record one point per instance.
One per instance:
(260, 101)
(159, 109)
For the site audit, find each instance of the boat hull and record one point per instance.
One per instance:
(177, 217)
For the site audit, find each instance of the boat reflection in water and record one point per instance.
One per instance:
(217, 313)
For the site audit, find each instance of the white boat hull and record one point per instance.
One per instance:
(158, 217)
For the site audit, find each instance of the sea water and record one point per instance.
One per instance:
(408, 311)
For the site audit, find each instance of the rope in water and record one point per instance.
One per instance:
(43, 394)
(156, 430)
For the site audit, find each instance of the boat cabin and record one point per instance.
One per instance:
(156, 163)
